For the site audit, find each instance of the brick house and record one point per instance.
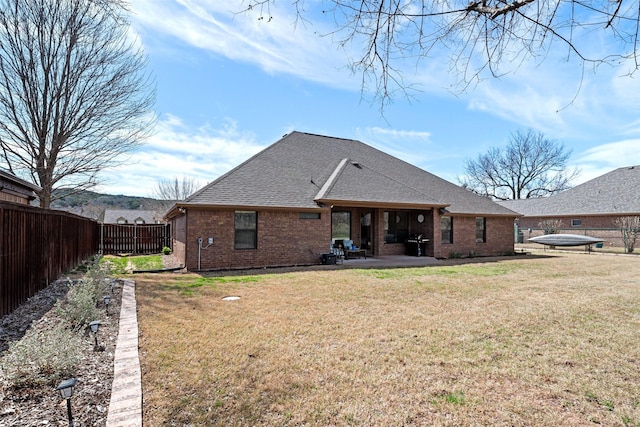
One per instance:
(289, 203)
(14, 189)
(131, 216)
(590, 208)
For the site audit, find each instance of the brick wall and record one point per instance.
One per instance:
(499, 233)
(283, 240)
(587, 222)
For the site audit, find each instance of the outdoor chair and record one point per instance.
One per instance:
(351, 250)
(338, 252)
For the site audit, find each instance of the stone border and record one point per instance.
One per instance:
(125, 407)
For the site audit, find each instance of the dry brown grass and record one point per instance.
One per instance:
(519, 342)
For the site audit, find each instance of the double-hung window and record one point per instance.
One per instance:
(246, 230)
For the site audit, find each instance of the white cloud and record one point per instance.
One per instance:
(558, 96)
(614, 154)
(201, 154)
(597, 161)
(277, 45)
(393, 141)
(412, 146)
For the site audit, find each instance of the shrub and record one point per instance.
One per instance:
(630, 229)
(97, 278)
(42, 358)
(80, 308)
(166, 250)
(551, 226)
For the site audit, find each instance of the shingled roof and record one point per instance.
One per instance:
(614, 193)
(112, 216)
(303, 170)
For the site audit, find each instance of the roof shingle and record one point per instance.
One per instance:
(302, 169)
(614, 193)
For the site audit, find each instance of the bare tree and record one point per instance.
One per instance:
(629, 228)
(74, 96)
(174, 189)
(528, 166)
(551, 226)
(482, 36)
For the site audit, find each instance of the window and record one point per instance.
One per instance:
(309, 215)
(481, 229)
(576, 223)
(246, 227)
(340, 225)
(446, 226)
(396, 226)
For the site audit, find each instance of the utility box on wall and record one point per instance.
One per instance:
(328, 259)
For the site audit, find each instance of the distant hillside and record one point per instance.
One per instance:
(92, 205)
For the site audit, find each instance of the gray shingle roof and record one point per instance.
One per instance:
(302, 169)
(111, 216)
(6, 175)
(614, 193)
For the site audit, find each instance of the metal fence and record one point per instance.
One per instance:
(118, 239)
(36, 247)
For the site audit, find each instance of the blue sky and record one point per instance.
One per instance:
(228, 85)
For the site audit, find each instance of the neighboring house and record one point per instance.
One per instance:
(14, 189)
(590, 208)
(287, 204)
(129, 216)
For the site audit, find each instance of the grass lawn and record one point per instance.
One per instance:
(124, 265)
(521, 342)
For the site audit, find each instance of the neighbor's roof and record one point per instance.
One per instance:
(5, 174)
(111, 216)
(614, 193)
(302, 170)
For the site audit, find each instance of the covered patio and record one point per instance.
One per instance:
(386, 230)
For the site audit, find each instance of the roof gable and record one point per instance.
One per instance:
(354, 182)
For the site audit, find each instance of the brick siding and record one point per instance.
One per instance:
(499, 238)
(283, 240)
(286, 240)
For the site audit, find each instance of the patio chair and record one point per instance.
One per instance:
(351, 250)
(338, 252)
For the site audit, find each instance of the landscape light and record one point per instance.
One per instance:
(66, 391)
(107, 300)
(95, 325)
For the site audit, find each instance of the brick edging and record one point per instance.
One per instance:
(125, 406)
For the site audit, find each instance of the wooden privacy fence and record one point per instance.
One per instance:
(36, 247)
(134, 238)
